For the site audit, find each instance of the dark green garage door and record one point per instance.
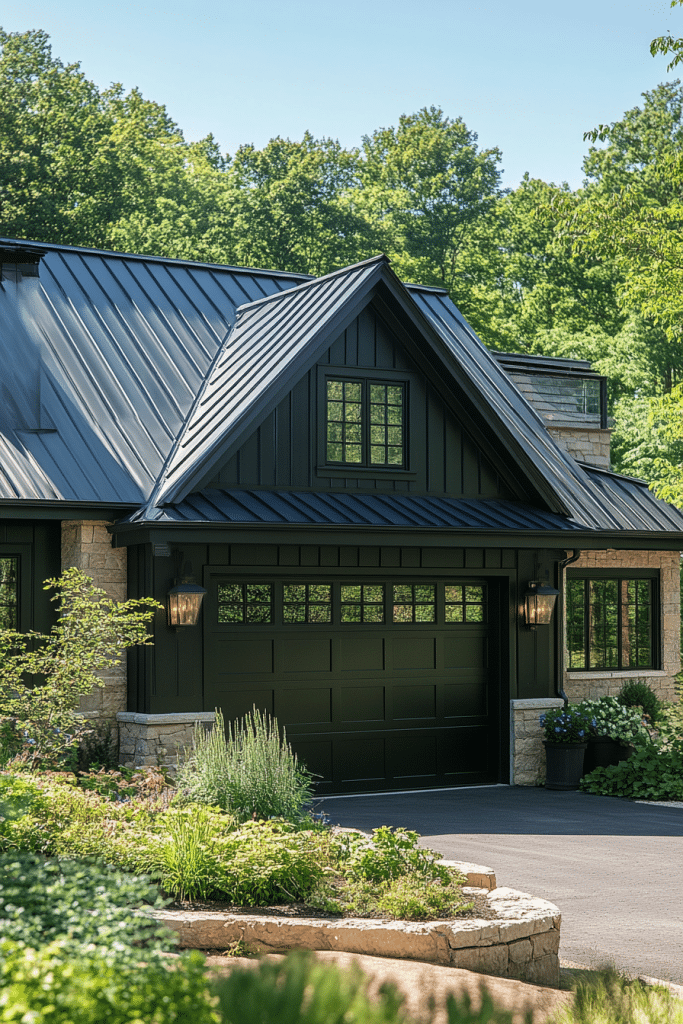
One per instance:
(380, 684)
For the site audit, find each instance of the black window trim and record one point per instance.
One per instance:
(618, 574)
(368, 375)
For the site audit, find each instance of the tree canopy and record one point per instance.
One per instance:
(594, 273)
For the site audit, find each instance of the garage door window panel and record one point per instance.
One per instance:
(307, 603)
(414, 602)
(362, 603)
(245, 603)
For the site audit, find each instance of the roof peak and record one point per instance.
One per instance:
(379, 259)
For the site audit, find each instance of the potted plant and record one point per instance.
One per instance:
(566, 732)
(613, 732)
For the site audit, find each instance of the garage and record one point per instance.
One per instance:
(380, 682)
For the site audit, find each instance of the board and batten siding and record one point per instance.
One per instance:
(444, 459)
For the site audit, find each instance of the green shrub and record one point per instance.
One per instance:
(251, 773)
(612, 999)
(608, 717)
(98, 749)
(640, 695)
(59, 985)
(44, 900)
(390, 853)
(650, 773)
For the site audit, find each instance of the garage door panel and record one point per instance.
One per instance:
(361, 703)
(414, 652)
(465, 698)
(415, 701)
(304, 706)
(360, 760)
(242, 657)
(465, 651)
(412, 757)
(303, 654)
(367, 705)
(360, 654)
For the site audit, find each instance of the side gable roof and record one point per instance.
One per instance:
(102, 358)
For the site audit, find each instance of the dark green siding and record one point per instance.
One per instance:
(445, 458)
(38, 547)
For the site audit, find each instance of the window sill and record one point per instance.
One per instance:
(621, 673)
(344, 473)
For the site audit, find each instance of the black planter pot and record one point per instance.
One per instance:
(603, 752)
(564, 764)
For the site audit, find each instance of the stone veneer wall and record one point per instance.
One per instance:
(87, 546)
(581, 685)
(527, 753)
(157, 740)
(583, 443)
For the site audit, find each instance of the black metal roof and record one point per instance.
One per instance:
(628, 506)
(123, 376)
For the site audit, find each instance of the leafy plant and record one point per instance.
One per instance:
(611, 718)
(44, 676)
(58, 984)
(98, 748)
(389, 853)
(568, 724)
(252, 772)
(636, 694)
(650, 773)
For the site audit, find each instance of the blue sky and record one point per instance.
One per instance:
(528, 76)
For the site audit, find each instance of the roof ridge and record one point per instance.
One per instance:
(380, 258)
(147, 258)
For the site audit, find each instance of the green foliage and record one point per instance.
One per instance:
(610, 717)
(90, 635)
(637, 694)
(390, 853)
(56, 984)
(98, 749)
(568, 724)
(251, 772)
(612, 999)
(650, 773)
(46, 900)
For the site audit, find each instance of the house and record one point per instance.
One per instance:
(366, 494)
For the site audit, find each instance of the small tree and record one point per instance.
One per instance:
(44, 676)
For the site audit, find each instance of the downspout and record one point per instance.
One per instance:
(561, 566)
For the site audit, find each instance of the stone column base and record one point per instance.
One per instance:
(527, 756)
(157, 740)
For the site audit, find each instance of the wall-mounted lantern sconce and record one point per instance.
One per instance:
(183, 604)
(539, 602)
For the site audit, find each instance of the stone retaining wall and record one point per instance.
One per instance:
(522, 943)
(157, 740)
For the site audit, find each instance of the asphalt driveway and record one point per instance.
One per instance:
(614, 868)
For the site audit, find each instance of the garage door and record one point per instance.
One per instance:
(380, 684)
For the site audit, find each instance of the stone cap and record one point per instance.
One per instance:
(532, 703)
(177, 718)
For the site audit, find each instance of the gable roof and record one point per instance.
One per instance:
(276, 340)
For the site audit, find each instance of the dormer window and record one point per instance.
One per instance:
(365, 422)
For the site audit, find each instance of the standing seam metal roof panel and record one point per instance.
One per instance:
(122, 344)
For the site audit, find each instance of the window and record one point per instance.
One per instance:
(362, 602)
(365, 423)
(307, 602)
(414, 602)
(245, 602)
(465, 603)
(611, 622)
(9, 588)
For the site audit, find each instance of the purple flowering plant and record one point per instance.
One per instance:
(568, 724)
